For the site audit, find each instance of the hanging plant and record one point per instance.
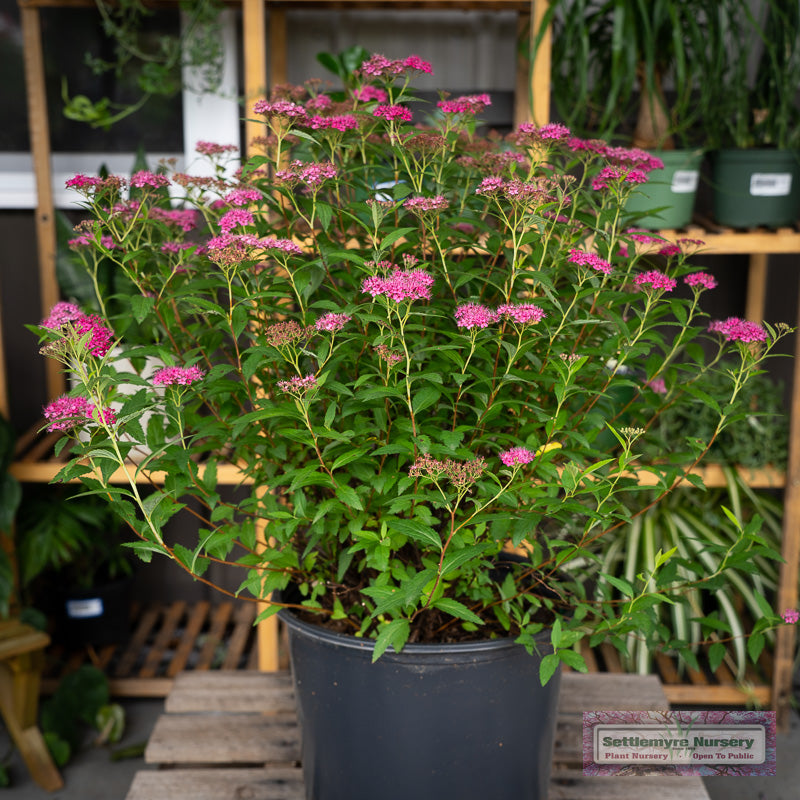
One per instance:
(156, 60)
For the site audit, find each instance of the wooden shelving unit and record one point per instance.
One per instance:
(267, 45)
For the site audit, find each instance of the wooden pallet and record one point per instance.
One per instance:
(166, 640)
(685, 686)
(233, 735)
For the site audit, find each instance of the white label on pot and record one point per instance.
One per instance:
(684, 181)
(85, 609)
(770, 184)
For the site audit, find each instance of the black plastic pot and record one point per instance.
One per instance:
(468, 721)
(100, 615)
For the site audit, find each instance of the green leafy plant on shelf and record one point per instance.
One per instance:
(153, 61)
(682, 526)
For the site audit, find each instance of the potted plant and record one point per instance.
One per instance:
(629, 70)
(754, 122)
(410, 343)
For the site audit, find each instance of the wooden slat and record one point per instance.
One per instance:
(611, 657)
(224, 739)
(164, 637)
(258, 692)
(699, 695)
(284, 783)
(581, 693)
(187, 643)
(216, 634)
(666, 666)
(134, 648)
(572, 785)
(242, 631)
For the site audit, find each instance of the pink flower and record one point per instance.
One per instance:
(368, 93)
(656, 280)
(584, 259)
(177, 376)
(298, 385)
(185, 219)
(416, 63)
(734, 329)
(60, 315)
(144, 178)
(393, 113)
(319, 103)
(633, 157)
(84, 182)
(379, 66)
(100, 336)
(517, 456)
(400, 285)
(670, 250)
(790, 616)
(313, 174)
(702, 279)
(645, 237)
(466, 104)
(235, 218)
(521, 313)
(214, 149)
(389, 356)
(332, 322)
(615, 174)
(342, 123)
(65, 413)
(280, 108)
(491, 185)
(473, 315)
(419, 204)
(284, 245)
(657, 385)
(241, 197)
(553, 131)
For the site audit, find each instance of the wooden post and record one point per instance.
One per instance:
(540, 69)
(278, 50)
(790, 550)
(254, 25)
(40, 150)
(756, 287)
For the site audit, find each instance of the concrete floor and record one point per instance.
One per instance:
(91, 775)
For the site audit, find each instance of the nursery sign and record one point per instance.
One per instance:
(679, 743)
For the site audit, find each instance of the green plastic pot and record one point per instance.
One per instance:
(756, 187)
(667, 199)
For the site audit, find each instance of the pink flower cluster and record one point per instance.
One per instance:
(288, 333)
(280, 108)
(346, 122)
(466, 104)
(400, 285)
(185, 219)
(298, 385)
(515, 191)
(176, 247)
(145, 179)
(214, 149)
(86, 240)
(177, 376)
(421, 204)
(701, 279)
(790, 616)
(460, 473)
(236, 217)
(735, 329)
(84, 182)
(616, 175)
(60, 314)
(584, 259)
(642, 236)
(241, 197)
(379, 66)
(393, 113)
(473, 315)
(65, 413)
(369, 93)
(313, 174)
(656, 280)
(553, 131)
(517, 456)
(521, 313)
(389, 356)
(284, 245)
(332, 322)
(98, 335)
(632, 157)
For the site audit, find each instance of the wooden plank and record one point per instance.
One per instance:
(224, 739)
(164, 637)
(254, 22)
(258, 692)
(756, 295)
(131, 655)
(572, 785)
(285, 783)
(139, 687)
(666, 666)
(611, 657)
(242, 631)
(591, 692)
(186, 645)
(216, 634)
(688, 695)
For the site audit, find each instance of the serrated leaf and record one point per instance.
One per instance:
(394, 634)
(548, 667)
(349, 496)
(456, 609)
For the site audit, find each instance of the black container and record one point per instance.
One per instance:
(99, 616)
(468, 721)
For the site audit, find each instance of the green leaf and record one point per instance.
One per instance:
(619, 583)
(574, 660)
(716, 653)
(417, 531)
(349, 497)
(548, 667)
(394, 634)
(456, 609)
(755, 644)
